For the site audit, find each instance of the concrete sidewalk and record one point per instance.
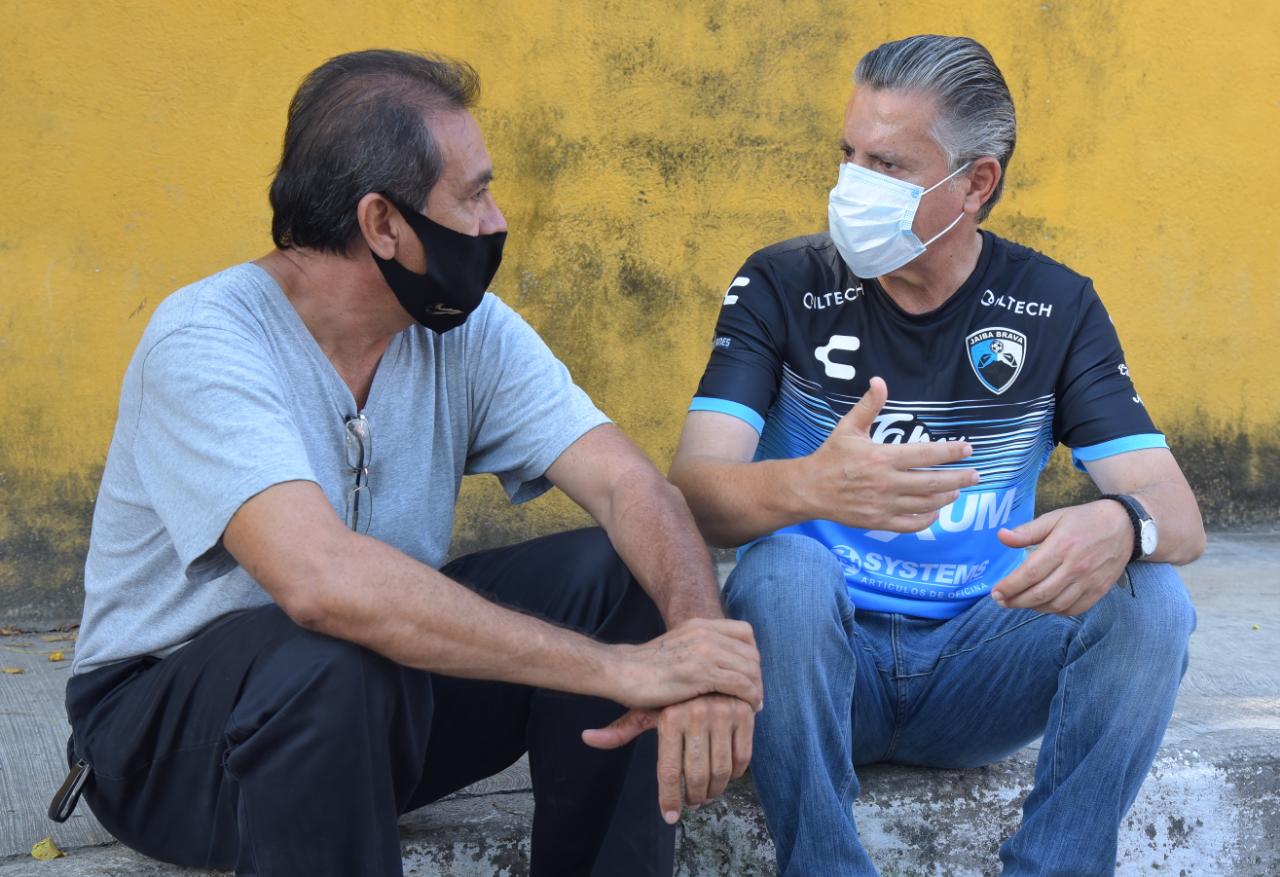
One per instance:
(1211, 807)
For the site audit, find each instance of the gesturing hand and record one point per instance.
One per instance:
(1083, 550)
(861, 483)
(705, 741)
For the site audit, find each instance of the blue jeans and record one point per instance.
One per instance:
(845, 688)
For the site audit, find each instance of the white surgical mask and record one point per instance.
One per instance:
(871, 216)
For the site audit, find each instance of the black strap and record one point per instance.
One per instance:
(65, 799)
(1135, 519)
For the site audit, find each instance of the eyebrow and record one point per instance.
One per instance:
(481, 179)
(887, 157)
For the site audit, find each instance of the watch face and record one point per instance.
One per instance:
(1148, 537)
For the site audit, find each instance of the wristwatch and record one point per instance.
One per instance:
(1144, 529)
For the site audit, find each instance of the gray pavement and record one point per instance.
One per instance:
(1211, 807)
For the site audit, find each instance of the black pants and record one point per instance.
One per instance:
(279, 751)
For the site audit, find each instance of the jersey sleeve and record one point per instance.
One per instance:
(213, 430)
(1099, 412)
(745, 367)
(525, 408)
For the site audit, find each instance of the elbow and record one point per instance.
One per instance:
(685, 499)
(308, 595)
(679, 481)
(719, 538)
(1192, 547)
(306, 609)
(686, 490)
(1190, 542)
(1196, 540)
(712, 534)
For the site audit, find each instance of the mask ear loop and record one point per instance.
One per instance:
(936, 185)
(962, 167)
(944, 231)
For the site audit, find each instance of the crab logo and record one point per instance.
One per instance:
(996, 355)
(849, 559)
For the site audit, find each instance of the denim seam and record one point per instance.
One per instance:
(991, 638)
(1084, 638)
(1057, 734)
(899, 705)
(846, 788)
(875, 659)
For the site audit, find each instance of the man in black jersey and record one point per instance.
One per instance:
(877, 408)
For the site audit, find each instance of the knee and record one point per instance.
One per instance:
(335, 679)
(1152, 620)
(324, 701)
(787, 579)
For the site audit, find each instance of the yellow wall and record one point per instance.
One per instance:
(643, 150)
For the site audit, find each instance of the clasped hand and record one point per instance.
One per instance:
(699, 686)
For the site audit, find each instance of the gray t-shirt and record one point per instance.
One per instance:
(228, 393)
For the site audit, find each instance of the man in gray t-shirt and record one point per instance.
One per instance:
(274, 663)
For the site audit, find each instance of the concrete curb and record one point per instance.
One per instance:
(1193, 818)
(1210, 808)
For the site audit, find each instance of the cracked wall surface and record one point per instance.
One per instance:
(643, 151)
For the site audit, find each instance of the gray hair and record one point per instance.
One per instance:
(975, 110)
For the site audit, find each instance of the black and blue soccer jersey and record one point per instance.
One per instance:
(1022, 357)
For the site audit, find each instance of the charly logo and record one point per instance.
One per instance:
(729, 297)
(996, 355)
(838, 370)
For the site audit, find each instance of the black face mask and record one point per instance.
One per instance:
(459, 269)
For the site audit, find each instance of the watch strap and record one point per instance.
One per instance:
(1137, 514)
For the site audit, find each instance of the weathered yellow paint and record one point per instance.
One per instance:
(643, 151)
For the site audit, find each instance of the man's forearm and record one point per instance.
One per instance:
(737, 502)
(371, 594)
(651, 528)
(1153, 478)
(1178, 524)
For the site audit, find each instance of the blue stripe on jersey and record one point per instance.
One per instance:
(724, 406)
(1141, 442)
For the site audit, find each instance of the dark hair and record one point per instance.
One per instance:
(975, 110)
(359, 124)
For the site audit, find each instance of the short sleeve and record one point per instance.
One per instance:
(1099, 412)
(212, 431)
(525, 408)
(744, 370)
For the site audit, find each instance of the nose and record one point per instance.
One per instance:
(493, 222)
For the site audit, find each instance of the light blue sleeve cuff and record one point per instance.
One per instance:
(724, 406)
(1089, 453)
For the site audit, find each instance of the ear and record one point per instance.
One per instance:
(983, 176)
(380, 224)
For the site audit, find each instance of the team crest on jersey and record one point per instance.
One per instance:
(996, 355)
